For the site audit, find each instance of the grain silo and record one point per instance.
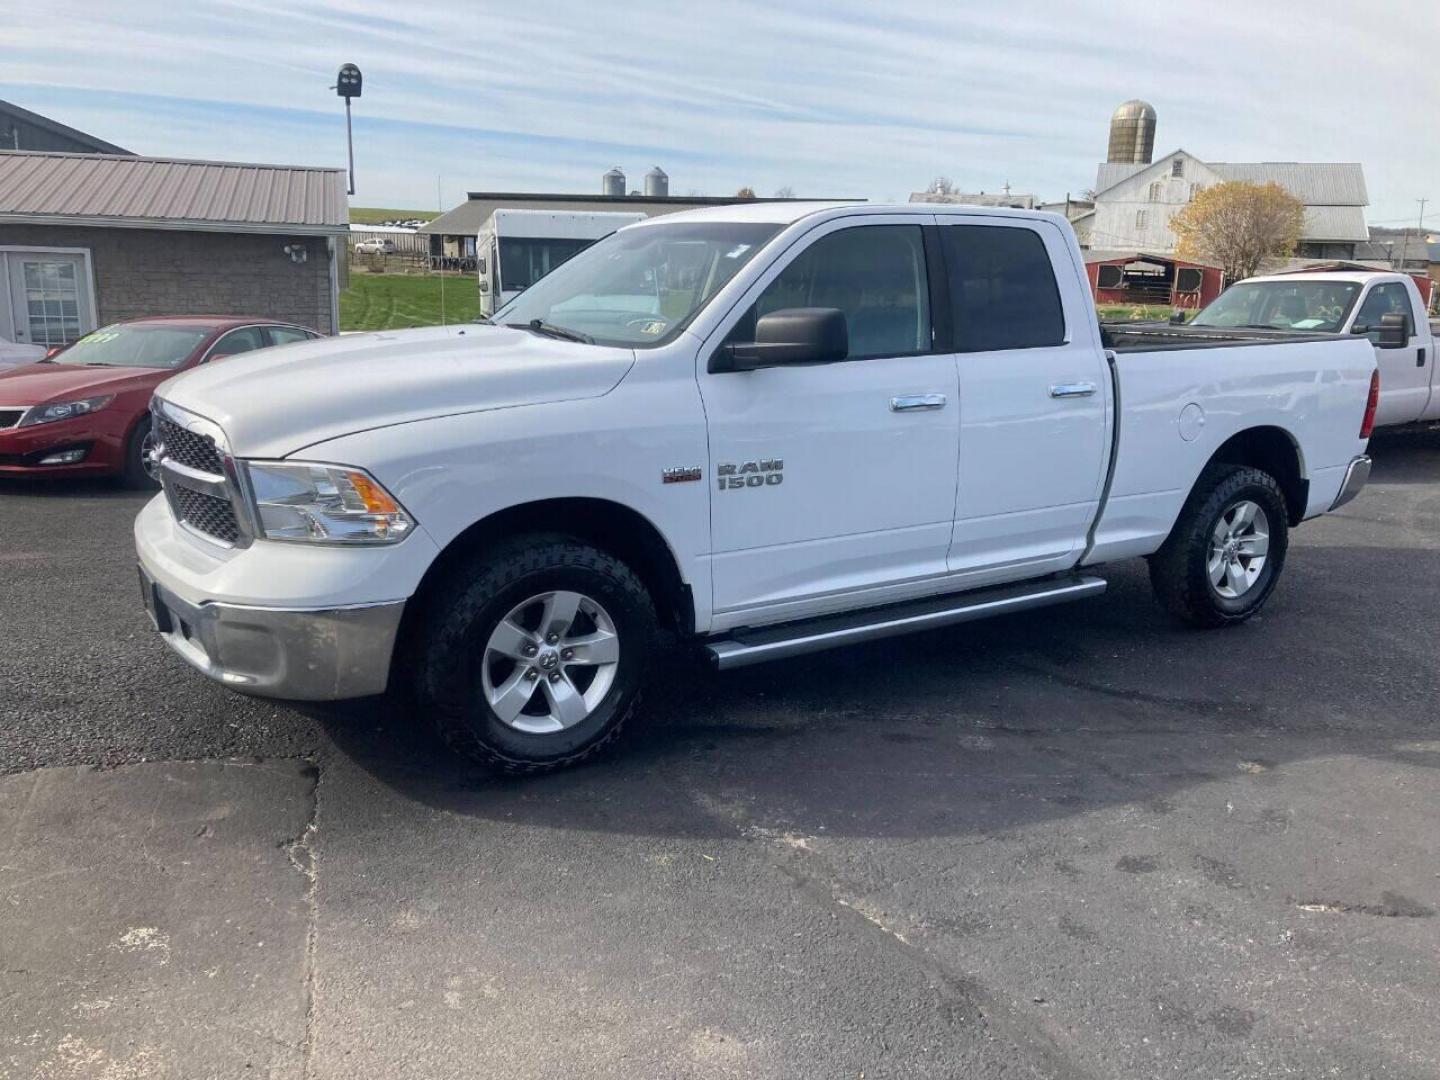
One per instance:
(613, 182)
(1132, 134)
(657, 184)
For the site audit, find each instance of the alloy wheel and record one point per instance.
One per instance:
(1239, 549)
(549, 663)
(149, 457)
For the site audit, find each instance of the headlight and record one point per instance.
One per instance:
(327, 504)
(46, 414)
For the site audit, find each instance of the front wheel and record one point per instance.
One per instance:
(533, 657)
(141, 470)
(1224, 556)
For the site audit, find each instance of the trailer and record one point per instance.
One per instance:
(516, 248)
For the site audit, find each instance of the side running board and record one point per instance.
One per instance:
(755, 646)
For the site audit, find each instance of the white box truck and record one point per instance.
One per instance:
(516, 248)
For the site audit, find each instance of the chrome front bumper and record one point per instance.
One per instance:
(279, 652)
(1356, 477)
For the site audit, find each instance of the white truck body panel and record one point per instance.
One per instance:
(1004, 480)
(1238, 389)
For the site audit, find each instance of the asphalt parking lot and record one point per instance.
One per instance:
(1075, 843)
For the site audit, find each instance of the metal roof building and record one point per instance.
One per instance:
(89, 239)
(167, 193)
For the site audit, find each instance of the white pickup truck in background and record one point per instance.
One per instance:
(1386, 308)
(763, 430)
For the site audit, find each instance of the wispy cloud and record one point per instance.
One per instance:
(832, 97)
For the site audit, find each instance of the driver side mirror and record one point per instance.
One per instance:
(1177, 318)
(789, 336)
(1394, 331)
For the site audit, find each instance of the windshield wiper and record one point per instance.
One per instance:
(540, 326)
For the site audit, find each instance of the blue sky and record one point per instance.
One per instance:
(834, 98)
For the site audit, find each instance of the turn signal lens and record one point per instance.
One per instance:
(375, 498)
(1368, 424)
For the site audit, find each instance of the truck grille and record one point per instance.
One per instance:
(10, 417)
(189, 449)
(192, 471)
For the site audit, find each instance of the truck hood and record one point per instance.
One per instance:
(275, 402)
(44, 384)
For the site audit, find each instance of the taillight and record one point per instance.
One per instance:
(1368, 424)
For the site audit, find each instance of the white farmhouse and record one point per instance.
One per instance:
(1134, 201)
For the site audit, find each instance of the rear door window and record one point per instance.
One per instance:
(1003, 293)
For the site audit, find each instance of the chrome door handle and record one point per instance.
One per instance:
(915, 402)
(1074, 389)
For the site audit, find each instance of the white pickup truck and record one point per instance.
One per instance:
(1385, 308)
(762, 430)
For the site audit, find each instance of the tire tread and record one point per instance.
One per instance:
(470, 586)
(1179, 588)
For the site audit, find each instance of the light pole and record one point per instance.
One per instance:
(347, 85)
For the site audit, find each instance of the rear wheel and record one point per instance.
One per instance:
(1224, 556)
(141, 470)
(533, 658)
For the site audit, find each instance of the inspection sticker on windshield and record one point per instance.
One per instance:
(737, 251)
(655, 327)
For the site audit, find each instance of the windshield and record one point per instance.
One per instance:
(1318, 306)
(134, 346)
(639, 286)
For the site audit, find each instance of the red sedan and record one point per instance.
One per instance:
(84, 411)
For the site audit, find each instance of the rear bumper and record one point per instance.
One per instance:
(1356, 476)
(297, 654)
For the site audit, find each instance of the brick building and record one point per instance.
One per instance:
(89, 239)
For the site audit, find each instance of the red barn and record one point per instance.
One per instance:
(1140, 277)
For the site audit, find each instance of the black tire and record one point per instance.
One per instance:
(447, 665)
(1178, 571)
(135, 475)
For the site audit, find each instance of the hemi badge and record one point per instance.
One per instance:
(680, 476)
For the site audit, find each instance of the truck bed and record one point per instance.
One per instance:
(1125, 337)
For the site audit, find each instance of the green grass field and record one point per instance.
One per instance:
(395, 301)
(374, 215)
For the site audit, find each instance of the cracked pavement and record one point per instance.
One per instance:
(1074, 843)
